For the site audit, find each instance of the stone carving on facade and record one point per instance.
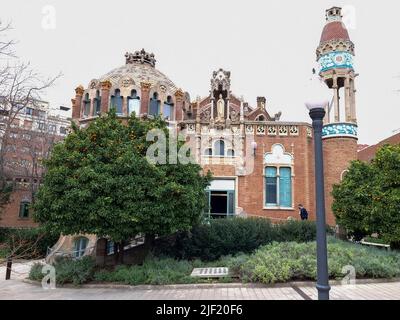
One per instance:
(260, 129)
(206, 115)
(126, 82)
(277, 116)
(93, 84)
(271, 130)
(191, 128)
(140, 57)
(309, 132)
(249, 129)
(234, 116)
(283, 130)
(220, 80)
(294, 130)
(220, 108)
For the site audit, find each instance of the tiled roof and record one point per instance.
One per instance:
(139, 73)
(368, 153)
(334, 30)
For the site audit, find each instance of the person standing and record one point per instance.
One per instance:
(303, 212)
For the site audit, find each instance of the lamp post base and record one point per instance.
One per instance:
(323, 291)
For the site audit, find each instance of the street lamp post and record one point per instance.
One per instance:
(317, 113)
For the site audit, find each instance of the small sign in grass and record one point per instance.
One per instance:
(217, 272)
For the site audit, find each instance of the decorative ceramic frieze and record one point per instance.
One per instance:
(339, 130)
(334, 60)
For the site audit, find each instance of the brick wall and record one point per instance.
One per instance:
(9, 218)
(338, 152)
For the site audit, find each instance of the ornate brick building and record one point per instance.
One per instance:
(262, 165)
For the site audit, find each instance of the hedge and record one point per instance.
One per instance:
(222, 237)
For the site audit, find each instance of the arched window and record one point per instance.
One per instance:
(168, 110)
(116, 101)
(86, 105)
(134, 103)
(154, 105)
(208, 152)
(97, 104)
(219, 148)
(230, 153)
(278, 177)
(260, 118)
(80, 245)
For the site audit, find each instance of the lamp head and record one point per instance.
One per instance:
(318, 93)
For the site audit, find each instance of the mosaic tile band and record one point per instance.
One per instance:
(339, 129)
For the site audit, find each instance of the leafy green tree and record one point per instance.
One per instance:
(368, 198)
(352, 203)
(386, 199)
(99, 181)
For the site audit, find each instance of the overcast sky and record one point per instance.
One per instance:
(269, 47)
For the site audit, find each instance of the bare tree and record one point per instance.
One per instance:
(20, 87)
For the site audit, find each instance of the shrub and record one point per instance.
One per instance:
(153, 271)
(281, 262)
(75, 271)
(36, 272)
(68, 271)
(299, 231)
(230, 236)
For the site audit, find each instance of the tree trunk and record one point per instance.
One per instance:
(8, 268)
(148, 243)
(121, 252)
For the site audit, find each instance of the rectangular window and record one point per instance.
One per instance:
(29, 111)
(167, 111)
(285, 187)
(278, 187)
(271, 186)
(134, 106)
(110, 247)
(154, 107)
(24, 209)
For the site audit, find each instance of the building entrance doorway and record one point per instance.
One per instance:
(221, 198)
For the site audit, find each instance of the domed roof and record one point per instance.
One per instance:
(140, 67)
(334, 30)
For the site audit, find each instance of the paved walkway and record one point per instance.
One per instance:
(17, 289)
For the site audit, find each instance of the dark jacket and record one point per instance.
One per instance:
(303, 214)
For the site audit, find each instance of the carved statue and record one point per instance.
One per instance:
(220, 108)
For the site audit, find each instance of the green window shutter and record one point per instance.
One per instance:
(285, 187)
(271, 196)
